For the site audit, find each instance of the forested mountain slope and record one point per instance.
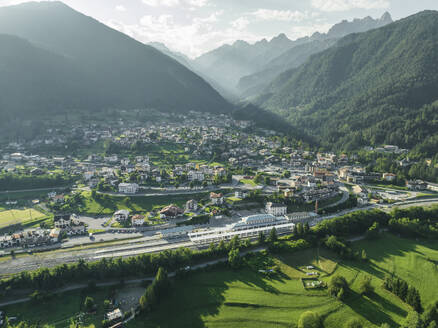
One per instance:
(251, 85)
(371, 88)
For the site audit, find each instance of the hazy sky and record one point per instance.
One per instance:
(196, 26)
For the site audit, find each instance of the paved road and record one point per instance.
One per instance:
(345, 196)
(31, 190)
(132, 281)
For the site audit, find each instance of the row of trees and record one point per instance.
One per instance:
(11, 181)
(120, 268)
(408, 294)
(155, 291)
(415, 222)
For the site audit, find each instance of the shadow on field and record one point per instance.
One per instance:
(390, 245)
(202, 295)
(367, 308)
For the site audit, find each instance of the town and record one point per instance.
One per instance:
(179, 178)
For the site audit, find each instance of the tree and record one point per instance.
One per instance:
(341, 294)
(258, 178)
(234, 258)
(385, 325)
(300, 229)
(364, 256)
(234, 243)
(261, 239)
(353, 323)
(306, 228)
(155, 291)
(413, 320)
(373, 231)
(107, 305)
(273, 235)
(336, 284)
(432, 324)
(309, 319)
(414, 300)
(431, 313)
(89, 304)
(365, 287)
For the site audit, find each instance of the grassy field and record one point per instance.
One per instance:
(248, 182)
(11, 217)
(60, 309)
(247, 299)
(134, 204)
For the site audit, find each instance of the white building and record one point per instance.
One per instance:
(301, 216)
(217, 199)
(276, 209)
(389, 177)
(121, 215)
(240, 194)
(248, 227)
(137, 220)
(195, 176)
(128, 188)
(191, 205)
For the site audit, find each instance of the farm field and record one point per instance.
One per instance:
(246, 298)
(11, 217)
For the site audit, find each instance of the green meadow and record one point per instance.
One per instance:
(247, 298)
(12, 217)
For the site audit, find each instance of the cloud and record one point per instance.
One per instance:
(165, 3)
(197, 3)
(345, 5)
(173, 3)
(240, 23)
(192, 37)
(280, 15)
(120, 8)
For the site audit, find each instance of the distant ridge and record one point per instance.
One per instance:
(93, 67)
(251, 85)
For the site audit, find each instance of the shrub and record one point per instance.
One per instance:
(365, 287)
(336, 284)
(353, 323)
(309, 319)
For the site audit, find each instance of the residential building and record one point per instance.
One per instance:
(195, 176)
(217, 199)
(128, 188)
(121, 215)
(191, 205)
(390, 177)
(276, 209)
(62, 221)
(137, 220)
(170, 212)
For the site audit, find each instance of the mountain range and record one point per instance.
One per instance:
(298, 54)
(239, 67)
(56, 59)
(368, 89)
(365, 82)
